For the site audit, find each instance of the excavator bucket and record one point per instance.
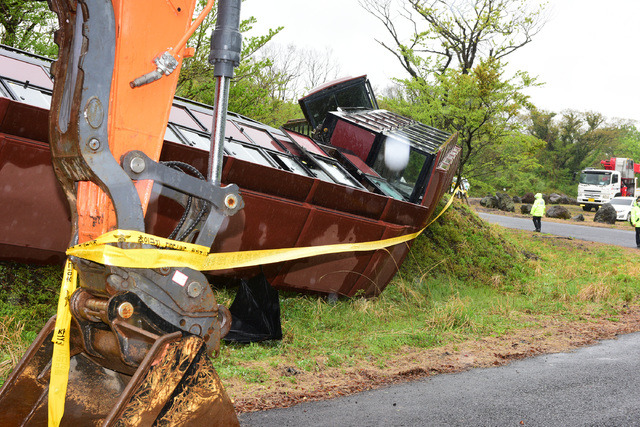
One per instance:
(139, 338)
(174, 385)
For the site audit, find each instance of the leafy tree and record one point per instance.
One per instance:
(482, 106)
(295, 71)
(456, 33)
(574, 141)
(629, 142)
(453, 52)
(268, 79)
(197, 82)
(28, 25)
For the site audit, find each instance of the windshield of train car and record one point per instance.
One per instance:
(352, 97)
(400, 165)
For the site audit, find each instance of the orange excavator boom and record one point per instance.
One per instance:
(139, 338)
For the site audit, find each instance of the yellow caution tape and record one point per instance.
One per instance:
(60, 359)
(168, 253)
(171, 253)
(441, 212)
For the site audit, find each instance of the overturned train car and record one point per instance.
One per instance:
(348, 173)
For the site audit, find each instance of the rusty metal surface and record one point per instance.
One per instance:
(175, 385)
(26, 387)
(78, 129)
(268, 221)
(33, 211)
(279, 206)
(24, 121)
(271, 221)
(127, 330)
(23, 397)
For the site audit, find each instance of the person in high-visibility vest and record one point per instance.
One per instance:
(537, 212)
(634, 218)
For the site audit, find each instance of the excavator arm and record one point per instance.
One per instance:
(140, 337)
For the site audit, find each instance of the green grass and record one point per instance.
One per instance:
(29, 293)
(462, 280)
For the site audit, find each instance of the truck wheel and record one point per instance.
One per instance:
(586, 208)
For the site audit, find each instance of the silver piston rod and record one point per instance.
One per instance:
(226, 44)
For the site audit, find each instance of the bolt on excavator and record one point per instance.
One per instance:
(138, 340)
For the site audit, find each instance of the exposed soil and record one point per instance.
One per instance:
(545, 336)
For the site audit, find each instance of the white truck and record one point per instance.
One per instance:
(599, 186)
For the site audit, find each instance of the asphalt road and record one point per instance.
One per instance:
(611, 236)
(593, 386)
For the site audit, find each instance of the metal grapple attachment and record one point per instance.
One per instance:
(140, 338)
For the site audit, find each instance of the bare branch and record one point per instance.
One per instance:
(464, 29)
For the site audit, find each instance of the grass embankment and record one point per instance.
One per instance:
(463, 282)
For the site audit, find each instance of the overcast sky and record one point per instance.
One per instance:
(587, 53)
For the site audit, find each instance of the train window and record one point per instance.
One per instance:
(338, 174)
(249, 154)
(262, 138)
(180, 116)
(31, 95)
(291, 164)
(171, 136)
(400, 164)
(386, 187)
(318, 172)
(195, 139)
